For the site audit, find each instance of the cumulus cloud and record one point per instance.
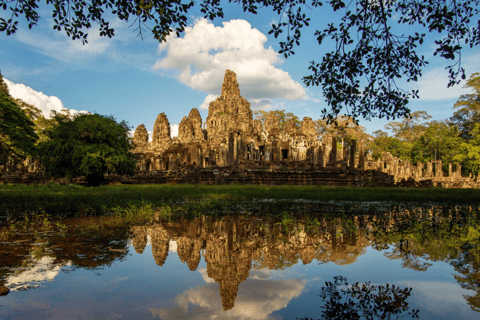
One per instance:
(256, 299)
(205, 52)
(38, 99)
(174, 130)
(206, 102)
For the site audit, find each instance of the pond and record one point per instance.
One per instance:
(423, 261)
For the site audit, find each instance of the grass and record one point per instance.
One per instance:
(137, 203)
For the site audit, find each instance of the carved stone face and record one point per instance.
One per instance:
(140, 137)
(186, 132)
(196, 121)
(161, 129)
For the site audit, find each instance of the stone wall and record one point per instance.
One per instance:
(406, 173)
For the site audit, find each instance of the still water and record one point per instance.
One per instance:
(245, 267)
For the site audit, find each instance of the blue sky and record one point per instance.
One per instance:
(135, 80)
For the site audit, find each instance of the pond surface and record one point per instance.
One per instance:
(245, 267)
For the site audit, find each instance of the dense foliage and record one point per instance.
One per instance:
(17, 134)
(90, 145)
(282, 116)
(370, 52)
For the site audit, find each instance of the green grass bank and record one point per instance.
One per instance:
(72, 200)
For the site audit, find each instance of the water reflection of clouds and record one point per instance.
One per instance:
(203, 272)
(442, 300)
(256, 299)
(172, 246)
(253, 274)
(43, 270)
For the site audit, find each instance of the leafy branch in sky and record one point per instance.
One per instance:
(358, 77)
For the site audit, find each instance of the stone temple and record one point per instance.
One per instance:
(231, 147)
(229, 137)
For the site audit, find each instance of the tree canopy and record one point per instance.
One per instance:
(283, 117)
(90, 145)
(17, 134)
(358, 77)
(468, 105)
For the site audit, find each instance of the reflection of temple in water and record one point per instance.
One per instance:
(236, 248)
(231, 247)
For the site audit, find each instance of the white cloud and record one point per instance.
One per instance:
(174, 130)
(59, 46)
(433, 86)
(122, 48)
(236, 46)
(313, 99)
(38, 99)
(261, 104)
(206, 102)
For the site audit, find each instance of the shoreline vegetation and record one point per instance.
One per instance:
(75, 200)
(48, 208)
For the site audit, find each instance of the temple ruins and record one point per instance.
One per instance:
(230, 140)
(232, 147)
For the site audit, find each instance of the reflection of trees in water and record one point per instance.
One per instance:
(419, 237)
(232, 246)
(364, 301)
(20, 252)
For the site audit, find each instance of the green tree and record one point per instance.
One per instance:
(439, 142)
(30, 110)
(282, 117)
(410, 127)
(17, 134)
(469, 152)
(90, 145)
(383, 143)
(468, 105)
(44, 125)
(357, 76)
